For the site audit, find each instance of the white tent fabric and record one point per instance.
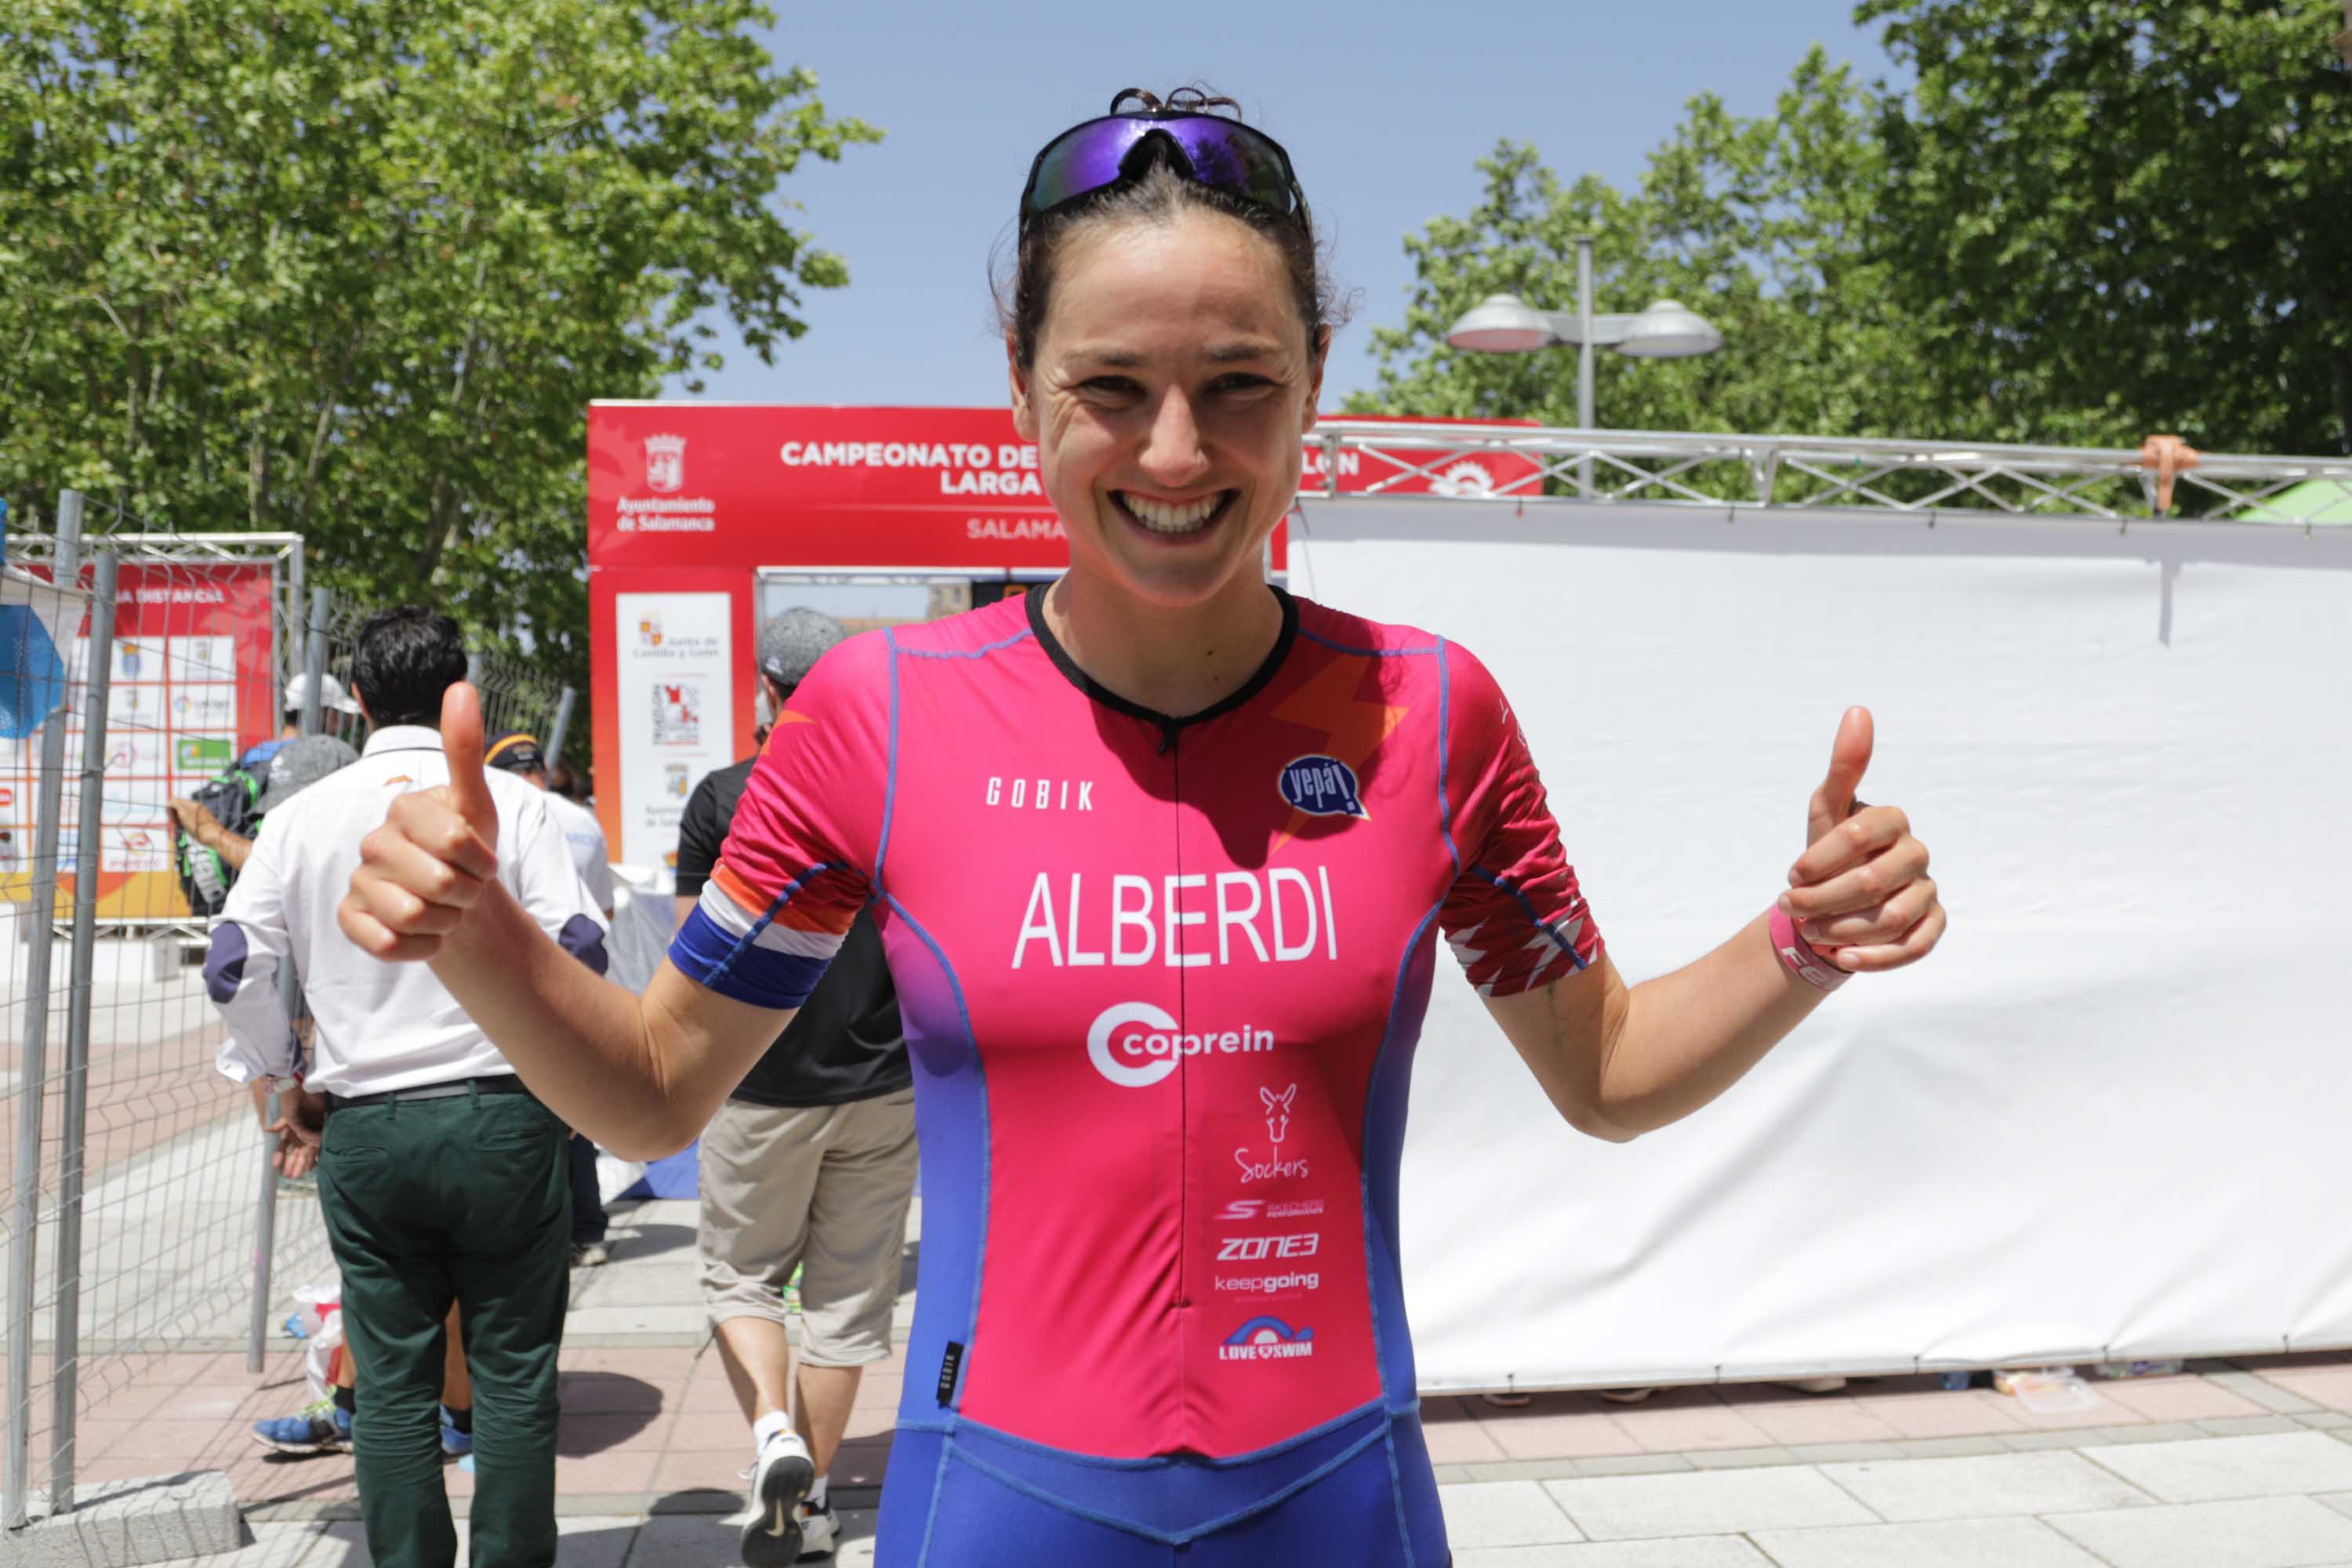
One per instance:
(2105, 1120)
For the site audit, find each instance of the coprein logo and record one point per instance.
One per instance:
(1135, 1044)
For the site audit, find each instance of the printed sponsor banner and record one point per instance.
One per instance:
(676, 690)
(189, 687)
(207, 756)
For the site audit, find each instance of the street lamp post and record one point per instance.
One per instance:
(1504, 323)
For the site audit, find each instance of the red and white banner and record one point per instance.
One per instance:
(190, 688)
(691, 499)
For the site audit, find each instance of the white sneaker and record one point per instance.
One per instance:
(1813, 1384)
(819, 1531)
(781, 1478)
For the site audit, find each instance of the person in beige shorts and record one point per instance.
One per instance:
(822, 1188)
(810, 1165)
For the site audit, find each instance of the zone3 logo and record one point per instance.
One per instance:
(1257, 1249)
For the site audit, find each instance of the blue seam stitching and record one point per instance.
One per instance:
(890, 774)
(1534, 919)
(1364, 1182)
(775, 906)
(981, 652)
(1445, 723)
(1370, 652)
(939, 1486)
(980, 1254)
(1396, 1490)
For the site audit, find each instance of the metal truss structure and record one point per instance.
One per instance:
(141, 547)
(1813, 473)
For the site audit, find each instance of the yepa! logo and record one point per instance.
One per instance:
(1321, 786)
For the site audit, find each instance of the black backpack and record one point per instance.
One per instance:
(204, 879)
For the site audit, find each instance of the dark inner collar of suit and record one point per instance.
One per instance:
(1168, 724)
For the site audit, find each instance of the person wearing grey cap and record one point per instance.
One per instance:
(303, 759)
(336, 713)
(808, 1166)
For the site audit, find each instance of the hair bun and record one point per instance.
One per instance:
(1190, 99)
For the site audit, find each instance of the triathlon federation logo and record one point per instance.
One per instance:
(1267, 1339)
(665, 464)
(1321, 786)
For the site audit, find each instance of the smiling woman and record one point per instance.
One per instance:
(1166, 326)
(1159, 857)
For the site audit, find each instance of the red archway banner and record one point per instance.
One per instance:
(685, 500)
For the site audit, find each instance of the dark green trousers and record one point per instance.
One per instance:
(428, 1202)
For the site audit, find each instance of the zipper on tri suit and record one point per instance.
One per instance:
(1170, 748)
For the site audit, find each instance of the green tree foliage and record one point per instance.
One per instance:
(2117, 216)
(2087, 223)
(1758, 224)
(354, 270)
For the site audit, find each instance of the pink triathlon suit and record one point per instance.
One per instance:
(1161, 981)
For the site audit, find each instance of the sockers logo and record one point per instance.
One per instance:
(1267, 1339)
(1321, 786)
(1136, 1044)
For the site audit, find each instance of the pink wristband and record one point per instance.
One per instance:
(1799, 956)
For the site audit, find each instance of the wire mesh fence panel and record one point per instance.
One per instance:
(150, 703)
(43, 707)
(150, 1165)
(516, 697)
(170, 1154)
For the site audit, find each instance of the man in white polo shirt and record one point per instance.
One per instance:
(517, 751)
(440, 1177)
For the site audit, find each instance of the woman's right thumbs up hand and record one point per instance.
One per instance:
(436, 851)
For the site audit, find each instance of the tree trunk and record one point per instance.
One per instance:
(2339, 375)
(257, 476)
(318, 433)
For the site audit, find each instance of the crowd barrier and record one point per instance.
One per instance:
(141, 1213)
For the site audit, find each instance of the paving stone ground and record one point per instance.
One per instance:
(2234, 1464)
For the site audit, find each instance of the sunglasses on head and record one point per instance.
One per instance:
(1222, 153)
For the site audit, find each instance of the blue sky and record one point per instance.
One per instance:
(1384, 109)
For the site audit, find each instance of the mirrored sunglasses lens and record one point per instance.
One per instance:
(1234, 158)
(1223, 154)
(1084, 160)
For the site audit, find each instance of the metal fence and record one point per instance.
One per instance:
(1489, 464)
(141, 1213)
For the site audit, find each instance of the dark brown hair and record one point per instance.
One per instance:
(1156, 191)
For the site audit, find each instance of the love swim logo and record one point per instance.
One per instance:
(1266, 1339)
(1321, 786)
